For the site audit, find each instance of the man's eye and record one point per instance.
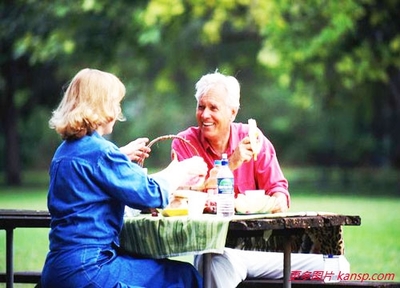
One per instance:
(214, 108)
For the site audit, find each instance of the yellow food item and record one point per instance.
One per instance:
(170, 212)
(254, 141)
(178, 206)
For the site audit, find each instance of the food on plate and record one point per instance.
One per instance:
(254, 139)
(179, 199)
(170, 212)
(211, 206)
(178, 205)
(254, 204)
(178, 202)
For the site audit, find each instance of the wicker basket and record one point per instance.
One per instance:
(186, 142)
(169, 137)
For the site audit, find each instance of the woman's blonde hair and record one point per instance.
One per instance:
(92, 99)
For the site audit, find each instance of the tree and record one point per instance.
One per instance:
(325, 52)
(322, 74)
(40, 38)
(18, 75)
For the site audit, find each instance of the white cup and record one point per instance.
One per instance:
(254, 193)
(196, 203)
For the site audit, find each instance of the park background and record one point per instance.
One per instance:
(322, 79)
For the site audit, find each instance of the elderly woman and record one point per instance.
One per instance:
(218, 98)
(91, 181)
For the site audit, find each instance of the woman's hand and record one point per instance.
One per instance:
(137, 149)
(280, 202)
(192, 170)
(188, 172)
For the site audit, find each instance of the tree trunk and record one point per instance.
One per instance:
(394, 86)
(10, 127)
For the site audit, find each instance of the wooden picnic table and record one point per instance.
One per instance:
(286, 223)
(156, 236)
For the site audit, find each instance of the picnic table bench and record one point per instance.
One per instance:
(10, 219)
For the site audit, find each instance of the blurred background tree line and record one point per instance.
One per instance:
(322, 78)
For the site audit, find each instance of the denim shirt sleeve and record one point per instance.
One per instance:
(128, 182)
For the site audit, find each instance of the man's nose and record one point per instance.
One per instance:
(206, 113)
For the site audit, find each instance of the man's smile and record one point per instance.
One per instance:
(208, 124)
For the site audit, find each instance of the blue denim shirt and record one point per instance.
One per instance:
(91, 181)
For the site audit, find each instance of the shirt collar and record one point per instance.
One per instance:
(209, 148)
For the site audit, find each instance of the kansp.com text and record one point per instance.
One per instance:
(341, 276)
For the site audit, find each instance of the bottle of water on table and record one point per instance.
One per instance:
(226, 195)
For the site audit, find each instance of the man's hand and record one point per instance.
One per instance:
(243, 153)
(280, 202)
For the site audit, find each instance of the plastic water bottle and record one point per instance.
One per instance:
(226, 196)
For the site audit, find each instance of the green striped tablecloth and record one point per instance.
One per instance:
(162, 237)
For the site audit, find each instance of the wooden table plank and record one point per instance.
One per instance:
(293, 222)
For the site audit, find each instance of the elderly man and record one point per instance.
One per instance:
(218, 101)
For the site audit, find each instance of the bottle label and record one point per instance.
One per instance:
(225, 186)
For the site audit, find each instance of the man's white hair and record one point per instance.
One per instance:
(230, 83)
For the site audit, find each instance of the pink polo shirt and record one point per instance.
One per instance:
(264, 173)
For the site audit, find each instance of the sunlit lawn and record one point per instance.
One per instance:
(373, 247)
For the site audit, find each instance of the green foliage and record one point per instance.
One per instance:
(319, 76)
(320, 53)
(41, 141)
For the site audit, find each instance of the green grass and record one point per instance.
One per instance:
(373, 247)
(30, 245)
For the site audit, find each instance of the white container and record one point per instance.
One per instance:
(226, 195)
(254, 193)
(196, 203)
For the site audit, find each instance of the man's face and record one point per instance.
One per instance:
(213, 114)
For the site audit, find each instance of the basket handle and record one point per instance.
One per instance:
(168, 137)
